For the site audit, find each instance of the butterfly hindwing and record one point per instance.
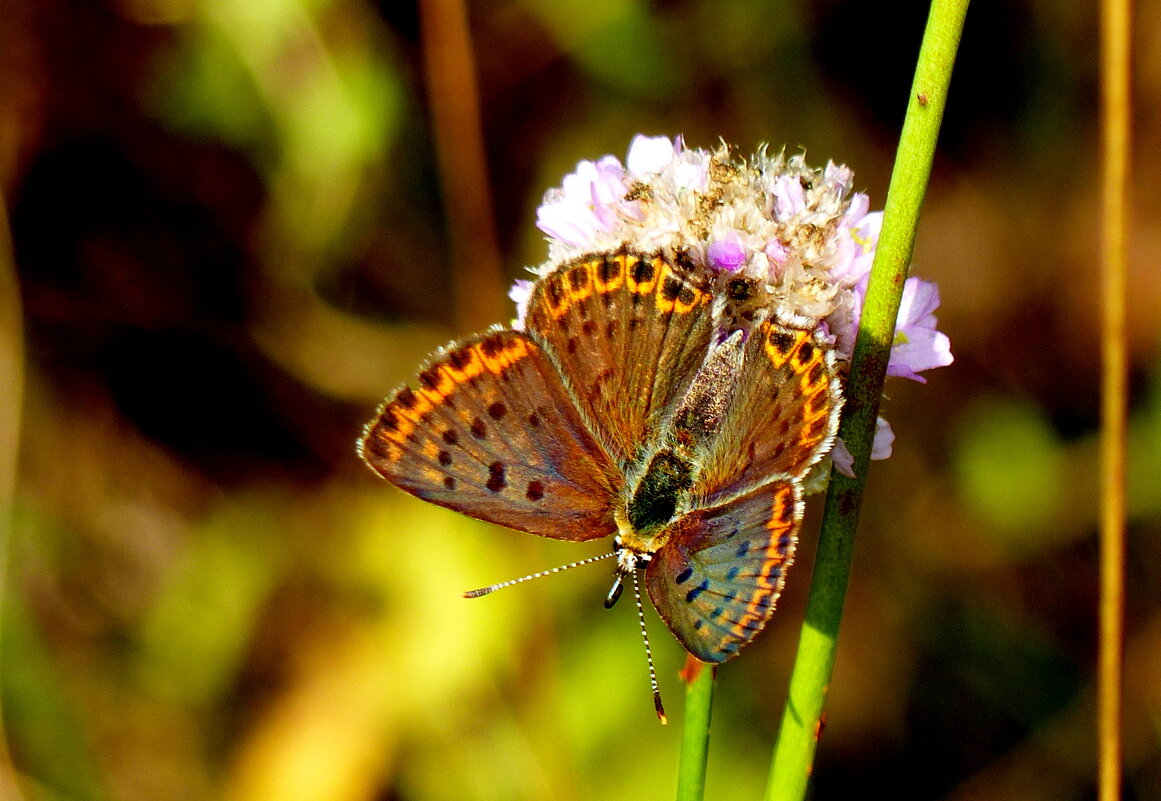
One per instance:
(718, 576)
(489, 431)
(629, 332)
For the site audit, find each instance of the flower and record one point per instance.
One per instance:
(917, 344)
(726, 254)
(520, 294)
(801, 233)
(651, 154)
(880, 448)
(585, 204)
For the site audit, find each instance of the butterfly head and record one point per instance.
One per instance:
(628, 562)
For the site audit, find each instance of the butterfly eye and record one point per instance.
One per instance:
(740, 289)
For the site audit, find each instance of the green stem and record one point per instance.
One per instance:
(699, 700)
(810, 679)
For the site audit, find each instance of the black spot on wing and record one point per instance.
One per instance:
(691, 596)
(496, 479)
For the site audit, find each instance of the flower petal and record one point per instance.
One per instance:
(649, 154)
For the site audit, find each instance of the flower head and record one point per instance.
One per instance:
(802, 235)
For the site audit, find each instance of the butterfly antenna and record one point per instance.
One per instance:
(648, 653)
(493, 587)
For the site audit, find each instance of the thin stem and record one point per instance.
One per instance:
(463, 173)
(11, 404)
(699, 699)
(1115, 116)
(814, 661)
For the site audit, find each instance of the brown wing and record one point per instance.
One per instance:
(628, 332)
(491, 431)
(783, 416)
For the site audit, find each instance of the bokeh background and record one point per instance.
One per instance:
(237, 225)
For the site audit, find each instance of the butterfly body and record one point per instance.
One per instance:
(626, 407)
(659, 486)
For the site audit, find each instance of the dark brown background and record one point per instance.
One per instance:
(231, 238)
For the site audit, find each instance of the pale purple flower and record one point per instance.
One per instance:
(918, 345)
(520, 294)
(842, 459)
(658, 157)
(880, 449)
(777, 251)
(584, 204)
(865, 235)
(802, 233)
(855, 241)
(838, 177)
(651, 154)
(787, 197)
(726, 255)
(776, 255)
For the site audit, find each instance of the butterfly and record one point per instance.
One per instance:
(631, 406)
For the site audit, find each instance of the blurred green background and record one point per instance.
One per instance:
(237, 225)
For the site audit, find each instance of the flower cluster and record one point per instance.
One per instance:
(802, 233)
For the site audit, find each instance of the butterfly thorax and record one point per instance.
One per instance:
(663, 486)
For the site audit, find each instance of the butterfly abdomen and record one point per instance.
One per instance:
(699, 417)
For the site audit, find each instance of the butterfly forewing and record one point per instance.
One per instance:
(783, 416)
(716, 580)
(489, 430)
(629, 332)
